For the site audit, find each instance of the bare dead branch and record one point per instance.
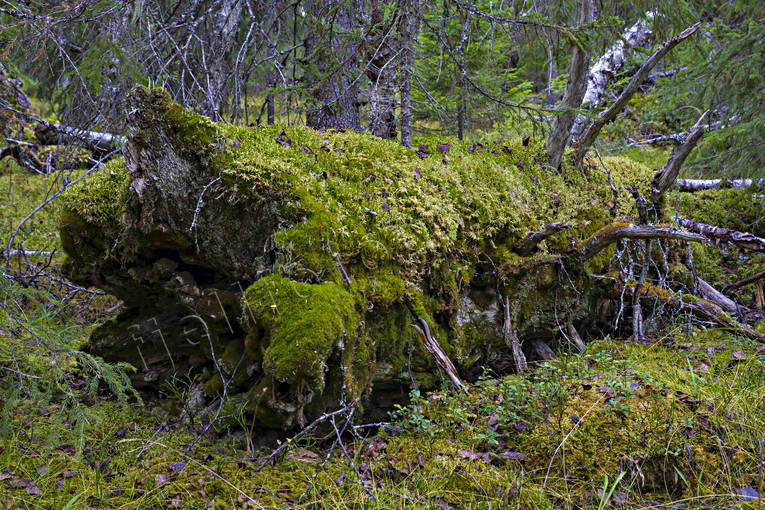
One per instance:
(55, 134)
(637, 79)
(690, 185)
(703, 308)
(433, 347)
(664, 178)
(512, 341)
(746, 281)
(528, 244)
(742, 240)
(616, 231)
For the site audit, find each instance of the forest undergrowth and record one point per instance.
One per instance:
(673, 422)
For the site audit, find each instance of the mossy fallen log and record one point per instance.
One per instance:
(286, 265)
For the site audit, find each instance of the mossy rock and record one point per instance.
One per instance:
(312, 253)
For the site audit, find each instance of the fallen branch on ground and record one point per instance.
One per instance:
(703, 308)
(742, 240)
(690, 185)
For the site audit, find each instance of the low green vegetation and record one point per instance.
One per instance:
(674, 422)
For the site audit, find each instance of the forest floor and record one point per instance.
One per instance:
(674, 422)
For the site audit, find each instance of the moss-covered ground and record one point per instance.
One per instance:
(676, 422)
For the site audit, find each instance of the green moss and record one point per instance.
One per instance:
(306, 322)
(98, 199)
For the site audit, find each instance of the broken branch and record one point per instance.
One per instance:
(433, 347)
(742, 240)
(528, 244)
(610, 114)
(663, 179)
(616, 231)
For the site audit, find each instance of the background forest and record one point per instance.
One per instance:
(663, 407)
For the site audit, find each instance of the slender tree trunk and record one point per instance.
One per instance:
(407, 28)
(462, 99)
(222, 44)
(271, 74)
(331, 77)
(381, 71)
(575, 89)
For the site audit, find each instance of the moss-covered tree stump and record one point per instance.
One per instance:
(287, 265)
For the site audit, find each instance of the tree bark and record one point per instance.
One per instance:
(97, 142)
(616, 231)
(408, 23)
(690, 185)
(605, 68)
(382, 57)
(742, 240)
(331, 76)
(664, 178)
(222, 45)
(610, 114)
(575, 89)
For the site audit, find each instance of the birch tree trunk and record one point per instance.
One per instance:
(221, 47)
(605, 68)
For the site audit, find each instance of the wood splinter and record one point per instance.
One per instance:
(511, 340)
(443, 361)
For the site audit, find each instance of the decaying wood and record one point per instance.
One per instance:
(56, 134)
(575, 89)
(25, 158)
(542, 350)
(512, 341)
(703, 308)
(742, 240)
(616, 231)
(746, 281)
(710, 293)
(608, 65)
(690, 185)
(664, 178)
(610, 114)
(443, 361)
(528, 244)
(573, 336)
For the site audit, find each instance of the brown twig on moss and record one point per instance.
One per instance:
(528, 244)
